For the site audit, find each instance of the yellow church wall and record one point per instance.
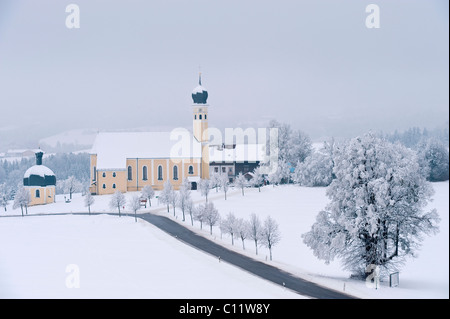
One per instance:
(108, 182)
(46, 195)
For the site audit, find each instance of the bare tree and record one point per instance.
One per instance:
(211, 215)
(22, 199)
(241, 182)
(230, 226)
(205, 187)
(224, 184)
(166, 194)
(88, 201)
(135, 204)
(243, 230)
(184, 196)
(117, 201)
(255, 229)
(270, 235)
(148, 193)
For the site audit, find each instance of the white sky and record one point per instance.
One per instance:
(312, 64)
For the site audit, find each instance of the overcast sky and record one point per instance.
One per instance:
(312, 64)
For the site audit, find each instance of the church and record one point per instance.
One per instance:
(129, 161)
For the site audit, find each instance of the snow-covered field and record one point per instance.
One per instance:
(119, 258)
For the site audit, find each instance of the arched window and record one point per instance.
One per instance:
(205, 116)
(114, 185)
(114, 174)
(104, 186)
(191, 169)
(104, 174)
(38, 193)
(195, 116)
(130, 173)
(175, 172)
(144, 173)
(200, 117)
(160, 173)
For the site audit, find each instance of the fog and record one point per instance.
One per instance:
(133, 64)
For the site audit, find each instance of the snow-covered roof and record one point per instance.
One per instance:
(39, 170)
(113, 148)
(198, 89)
(240, 153)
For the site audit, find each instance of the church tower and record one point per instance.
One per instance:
(200, 124)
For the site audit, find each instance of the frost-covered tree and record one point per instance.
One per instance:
(165, 197)
(117, 201)
(4, 195)
(199, 214)
(376, 212)
(88, 201)
(205, 186)
(210, 215)
(317, 169)
(257, 178)
(184, 196)
(241, 182)
(293, 145)
(148, 193)
(270, 234)
(215, 181)
(254, 230)
(22, 199)
(71, 185)
(243, 229)
(190, 208)
(224, 184)
(229, 225)
(134, 204)
(434, 157)
(274, 178)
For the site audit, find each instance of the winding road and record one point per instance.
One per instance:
(248, 264)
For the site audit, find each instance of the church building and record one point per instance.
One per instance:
(40, 181)
(128, 161)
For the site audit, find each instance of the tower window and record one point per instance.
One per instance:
(130, 173)
(144, 173)
(38, 193)
(175, 172)
(195, 116)
(160, 173)
(199, 116)
(205, 116)
(191, 169)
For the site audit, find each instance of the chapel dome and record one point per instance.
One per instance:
(199, 94)
(39, 175)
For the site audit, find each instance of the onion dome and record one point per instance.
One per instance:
(199, 94)
(39, 175)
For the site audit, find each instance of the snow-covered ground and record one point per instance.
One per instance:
(117, 257)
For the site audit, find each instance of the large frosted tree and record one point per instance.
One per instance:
(376, 211)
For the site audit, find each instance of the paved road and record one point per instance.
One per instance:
(260, 269)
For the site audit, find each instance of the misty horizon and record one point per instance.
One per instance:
(311, 64)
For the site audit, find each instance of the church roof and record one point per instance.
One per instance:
(114, 148)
